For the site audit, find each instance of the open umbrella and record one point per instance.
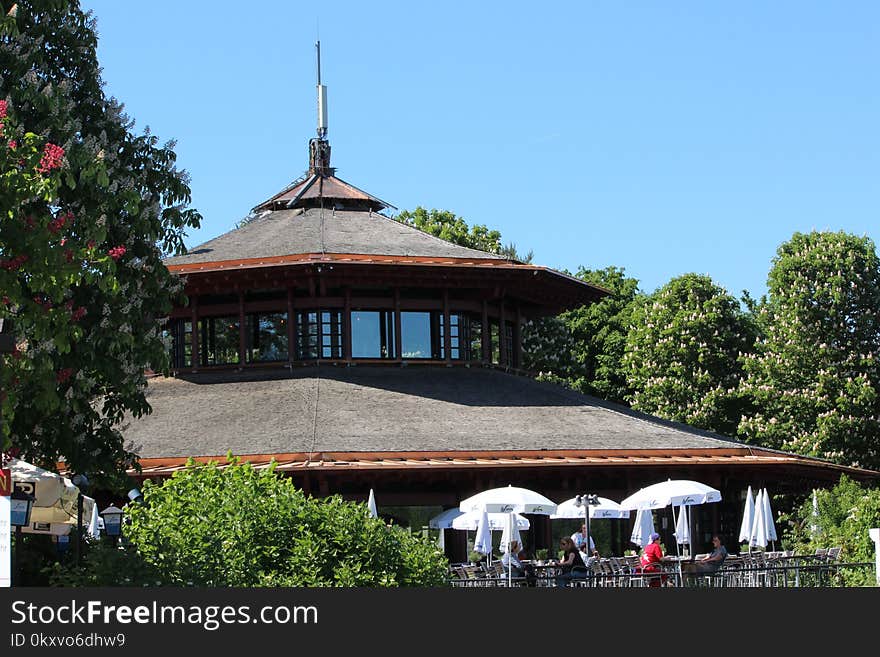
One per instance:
(605, 509)
(768, 519)
(745, 528)
(510, 500)
(371, 505)
(497, 521)
(758, 534)
(643, 528)
(672, 492)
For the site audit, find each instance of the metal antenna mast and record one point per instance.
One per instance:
(322, 98)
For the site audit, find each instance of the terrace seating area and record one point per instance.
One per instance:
(777, 569)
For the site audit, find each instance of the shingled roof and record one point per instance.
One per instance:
(388, 409)
(313, 230)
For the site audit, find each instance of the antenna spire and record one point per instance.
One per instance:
(322, 97)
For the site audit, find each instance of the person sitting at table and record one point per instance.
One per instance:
(511, 561)
(572, 566)
(709, 564)
(651, 558)
(580, 540)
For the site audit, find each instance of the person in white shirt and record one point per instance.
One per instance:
(510, 560)
(580, 540)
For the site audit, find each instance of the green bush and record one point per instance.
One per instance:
(846, 513)
(237, 526)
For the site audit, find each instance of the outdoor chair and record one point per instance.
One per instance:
(833, 554)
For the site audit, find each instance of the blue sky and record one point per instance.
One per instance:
(662, 137)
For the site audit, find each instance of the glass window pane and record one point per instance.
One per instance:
(416, 335)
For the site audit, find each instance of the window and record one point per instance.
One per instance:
(218, 340)
(319, 334)
(421, 334)
(372, 334)
(465, 337)
(266, 337)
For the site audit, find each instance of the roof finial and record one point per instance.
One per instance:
(322, 98)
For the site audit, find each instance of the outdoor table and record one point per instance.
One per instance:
(545, 571)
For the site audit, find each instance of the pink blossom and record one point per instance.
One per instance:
(3, 109)
(116, 252)
(51, 159)
(12, 144)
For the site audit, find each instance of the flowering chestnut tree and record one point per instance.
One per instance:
(682, 354)
(814, 378)
(89, 211)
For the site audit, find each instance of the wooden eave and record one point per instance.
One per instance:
(464, 461)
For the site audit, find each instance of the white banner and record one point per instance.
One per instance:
(5, 542)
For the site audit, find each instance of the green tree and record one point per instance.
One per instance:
(452, 228)
(814, 378)
(124, 203)
(845, 514)
(599, 333)
(238, 526)
(682, 354)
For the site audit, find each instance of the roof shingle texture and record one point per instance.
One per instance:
(297, 231)
(388, 409)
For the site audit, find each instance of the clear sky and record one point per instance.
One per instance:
(662, 137)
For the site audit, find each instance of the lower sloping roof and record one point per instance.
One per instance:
(389, 409)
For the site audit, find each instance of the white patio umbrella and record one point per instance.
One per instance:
(605, 509)
(682, 527)
(371, 505)
(643, 528)
(758, 535)
(497, 521)
(483, 539)
(768, 519)
(745, 528)
(510, 500)
(444, 520)
(672, 492)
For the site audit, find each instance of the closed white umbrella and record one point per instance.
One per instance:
(510, 533)
(758, 535)
(768, 518)
(497, 521)
(682, 527)
(483, 539)
(643, 528)
(605, 509)
(814, 523)
(371, 505)
(745, 528)
(54, 496)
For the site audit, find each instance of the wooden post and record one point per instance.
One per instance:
(291, 326)
(398, 324)
(517, 340)
(502, 336)
(486, 338)
(196, 356)
(346, 326)
(447, 328)
(242, 337)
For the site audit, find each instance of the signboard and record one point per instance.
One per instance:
(5, 528)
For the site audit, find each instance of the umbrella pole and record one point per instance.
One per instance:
(509, 556)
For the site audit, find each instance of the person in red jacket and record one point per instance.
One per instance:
(651, 559)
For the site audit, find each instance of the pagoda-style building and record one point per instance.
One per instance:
(359, 352)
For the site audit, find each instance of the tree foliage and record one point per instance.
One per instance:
(452, 228)
(599, 333)
(237, 526)
(123, 204)
(845, 514)
(682, 353)
(814, 378)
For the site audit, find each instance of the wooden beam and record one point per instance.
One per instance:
(502, 335)
(242, 338)
(398, 325)
(195, 334)
(346, 325)
(447, 333)
(291, 325)
(486, 338)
